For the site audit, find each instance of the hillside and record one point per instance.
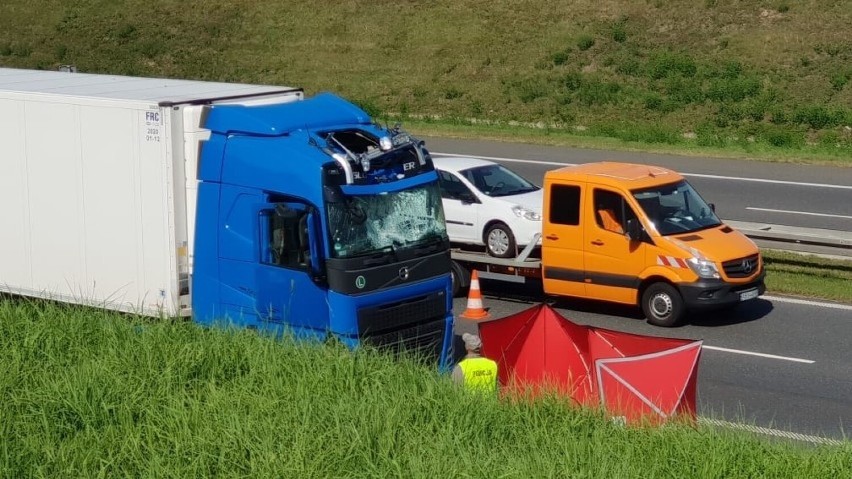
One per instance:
(712, 72)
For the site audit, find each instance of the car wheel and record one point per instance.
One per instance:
(662, 305)
(499, 241)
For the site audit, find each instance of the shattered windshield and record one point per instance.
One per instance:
(676, 208)
(366, 224)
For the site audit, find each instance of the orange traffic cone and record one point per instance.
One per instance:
(474, 301)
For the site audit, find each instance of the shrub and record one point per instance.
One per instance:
(664, 64)
(561, 57)
(817, 117)
(618, 33)
(597, 92)
(733, 89)
(585, 42)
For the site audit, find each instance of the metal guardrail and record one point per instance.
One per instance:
(792, 238)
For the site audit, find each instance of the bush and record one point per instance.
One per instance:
(618, 33)
(664, 64)
(817, 117)
(596, 92)
(733, 89)
(585, 42)
(561, 57)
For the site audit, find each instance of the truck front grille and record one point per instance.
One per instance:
(394, 316)
(742, 267)
(414, 326)
(423, 341)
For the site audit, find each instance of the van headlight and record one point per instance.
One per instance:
(522, 212)
(703, 268)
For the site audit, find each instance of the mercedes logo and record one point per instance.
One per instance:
(747, 266)
(403, 273)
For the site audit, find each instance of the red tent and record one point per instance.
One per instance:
(632, 376)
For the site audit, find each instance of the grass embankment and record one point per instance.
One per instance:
(808, 275)
(88, 393)
(753, 77)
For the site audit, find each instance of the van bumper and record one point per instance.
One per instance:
(715, 293)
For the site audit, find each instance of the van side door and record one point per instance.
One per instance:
(562, 239)
(613, 261)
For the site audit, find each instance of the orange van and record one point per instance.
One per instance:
(641, 235)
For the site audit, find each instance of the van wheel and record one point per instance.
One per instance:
(499, 241)
(662, 305)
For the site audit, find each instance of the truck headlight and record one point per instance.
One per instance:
(522, 212)
(703, 268)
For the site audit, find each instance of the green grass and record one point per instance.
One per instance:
(88, 393)
(759, 79)
(808, 275)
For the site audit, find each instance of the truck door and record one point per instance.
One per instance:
(562, 240)
(461, 209)
(289, 292)
(613, 262)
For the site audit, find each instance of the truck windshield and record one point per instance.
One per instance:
(366, 224)
(676, 208)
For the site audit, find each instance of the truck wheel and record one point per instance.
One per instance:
(460, 278)
(499, 241)
(662, 305)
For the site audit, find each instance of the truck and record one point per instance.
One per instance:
(248, 205)
(631, 234)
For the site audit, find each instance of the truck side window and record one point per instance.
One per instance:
(611, 211)
(288, 240)
(565, 205)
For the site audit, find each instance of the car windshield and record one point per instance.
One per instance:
(495, 180)
(366, 224)
(676, 208)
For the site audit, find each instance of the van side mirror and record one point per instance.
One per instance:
(634, 230)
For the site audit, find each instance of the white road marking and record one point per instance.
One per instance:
(762, 355)
(770, 432)
(769, 210)
(807, 302)
(697, 175)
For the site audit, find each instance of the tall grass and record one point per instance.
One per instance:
(88, 393)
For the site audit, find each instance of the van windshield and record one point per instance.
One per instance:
(676, 208)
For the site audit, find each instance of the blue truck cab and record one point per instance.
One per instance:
(314, 220)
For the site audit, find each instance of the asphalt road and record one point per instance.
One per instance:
(775, 193)
(775, 363)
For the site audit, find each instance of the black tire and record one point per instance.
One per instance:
(663, 305)
(460, 278)
(499, 241)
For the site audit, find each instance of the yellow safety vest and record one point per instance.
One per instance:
(480, 374)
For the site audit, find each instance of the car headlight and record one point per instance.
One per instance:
(529, 214)
(703, 268)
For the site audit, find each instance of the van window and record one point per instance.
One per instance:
(565, 205)
(611, 211)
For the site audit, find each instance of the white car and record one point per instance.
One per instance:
(488, 204)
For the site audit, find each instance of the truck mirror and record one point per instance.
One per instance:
(712, 207)
(634, 230)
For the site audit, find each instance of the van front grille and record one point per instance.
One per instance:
(742, 267)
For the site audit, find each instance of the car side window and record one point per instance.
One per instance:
(565, 205)
(451, 187)
(611, 211)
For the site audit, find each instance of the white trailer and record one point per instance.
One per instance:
(97, 185)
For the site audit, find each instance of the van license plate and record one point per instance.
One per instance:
(748, 294)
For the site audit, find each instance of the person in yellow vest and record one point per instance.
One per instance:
(475, 372)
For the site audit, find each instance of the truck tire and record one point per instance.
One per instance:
(460, 279)
(662, 305)
(499, 241)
